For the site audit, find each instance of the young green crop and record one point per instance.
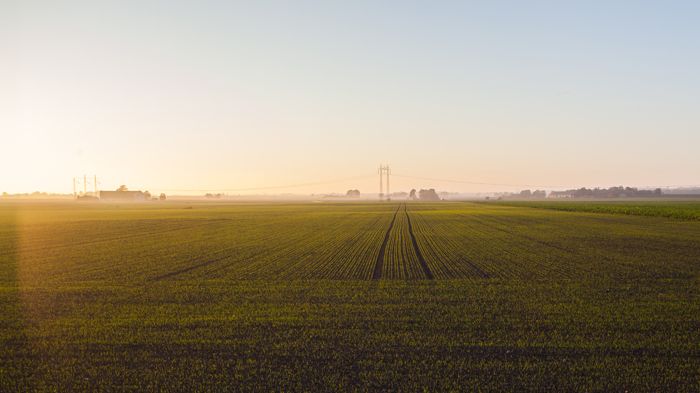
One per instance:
(250, 297)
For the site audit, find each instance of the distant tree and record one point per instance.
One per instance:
(5, 194)
(162, 197)
(541, 194)
(525, 194)
(612, 192)
(428, 195)
(353, 193)
(122, 188)
(412, 194)
(147, 195)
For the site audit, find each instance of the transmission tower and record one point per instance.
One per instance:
(83, 184)
(384, 170)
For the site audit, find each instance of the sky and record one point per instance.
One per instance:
(173, 96)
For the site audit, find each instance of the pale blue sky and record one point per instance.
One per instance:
(190, 95)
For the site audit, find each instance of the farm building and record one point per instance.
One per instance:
(123, 196)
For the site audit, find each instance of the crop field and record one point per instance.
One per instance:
(393, 296)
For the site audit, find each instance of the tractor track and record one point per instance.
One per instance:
(188, 269)
(423, 263)
(140, 235)
(380, 258)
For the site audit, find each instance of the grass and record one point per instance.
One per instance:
(281, 297)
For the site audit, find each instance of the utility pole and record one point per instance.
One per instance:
(95, 184)
(75, 191)
(84, 184)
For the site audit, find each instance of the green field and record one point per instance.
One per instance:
(355, 296)
(682, 210)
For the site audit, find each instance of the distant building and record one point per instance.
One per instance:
(123, 196)
(87, 197)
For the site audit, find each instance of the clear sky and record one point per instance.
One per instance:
(165, 95)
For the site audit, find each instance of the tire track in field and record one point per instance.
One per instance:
(493, 224)
(150, 234)
(207, 263)
(188, 269)
(423, 263)
(227, 255)
(380, 258)
(489, 223)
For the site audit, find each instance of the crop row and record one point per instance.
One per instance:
(401, 260)
(242, 243)
(299, 241)
(482, 241)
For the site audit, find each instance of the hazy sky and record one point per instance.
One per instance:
(164, 95)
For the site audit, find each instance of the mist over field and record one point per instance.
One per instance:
(219, 96)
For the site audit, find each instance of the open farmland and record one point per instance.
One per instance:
(351, 296)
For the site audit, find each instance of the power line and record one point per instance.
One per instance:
(332, 181)
(297, 185)
(474, 182)
(528, 185)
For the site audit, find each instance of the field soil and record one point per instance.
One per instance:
(347, 296)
